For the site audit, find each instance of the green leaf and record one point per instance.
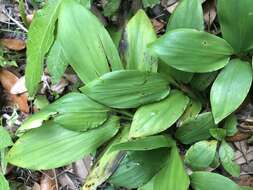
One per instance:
(218, 133)
(56, 62)
(198, 51)
(21, 8)
(171, 73)
(201, 155)
(40, 39)
(201, 81)
(145, 143)
(127, 88)
(211, 181)
(5, 138)
(139, 33)
(86, 44)
(4, 185)
(138, 167)
(81, 114)
(196, 129)
(150, 3)
(106, 164)
(173, 176)
(236, 28)
(157, 117)
(111, 7)
(227, 154)
(193, 109)
(230, 88)
(52, 146)
(246, 188)
(188, 14)
(231, 125)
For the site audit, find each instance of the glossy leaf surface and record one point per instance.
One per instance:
(154, 118)
(127, 88)
(52, 146)
(196, 129)
(90, 50)
(139, 33)
(198, 51)
(230, 88)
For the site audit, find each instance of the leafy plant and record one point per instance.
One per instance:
(135, 102)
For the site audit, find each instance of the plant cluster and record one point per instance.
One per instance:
(136, 109)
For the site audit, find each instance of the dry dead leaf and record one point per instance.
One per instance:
(47, 181)
(239, 136)
(172, 7)
(29, 18)
(19, 86)
(246, 180)
(83, 167)
(158, 25)
(13, 44)
(209, 12)
(8, 80)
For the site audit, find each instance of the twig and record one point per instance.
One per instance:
(15, 21)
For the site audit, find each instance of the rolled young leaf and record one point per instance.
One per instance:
(198, 51)
(139, 33)
(86, 44)
(157, 117)
(127, 88)
(236, 28)
(211, 181)
(201, 154)
(74, 111)
(227, 155)
(230, 88)
(52, 146)
(188, 14)
(196, 129)
(40, 38)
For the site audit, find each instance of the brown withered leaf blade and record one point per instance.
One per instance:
(13, 44)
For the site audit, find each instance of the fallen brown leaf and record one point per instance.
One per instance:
(246, 180)
(158, 25)
(8, 80)
(19, 86)
(209, 12)
(239, 136)
(47, 181)
(13, 44)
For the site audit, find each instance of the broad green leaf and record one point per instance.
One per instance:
(116, 35)
(201, 155)
(127, 88)
(40, 39)
(218, 133)
(198, 51)
(230, 88)
(52, 146)
(74, 111)
(201, 81)
(150, 3)
(211, 181)
(227, 154)
(85, 42)
(174, 74)
(106, 164)
(56, 62)
(139, 33)
(173, 176)
(5, 139)
(196, 129)
(188, 14)
(246, 188)
(22, 12)
(111, 7)
(4, 185)
(145, 143)
(157, 117)
(236, 28)
(231, 125)
(193, 109)
(138, 167)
